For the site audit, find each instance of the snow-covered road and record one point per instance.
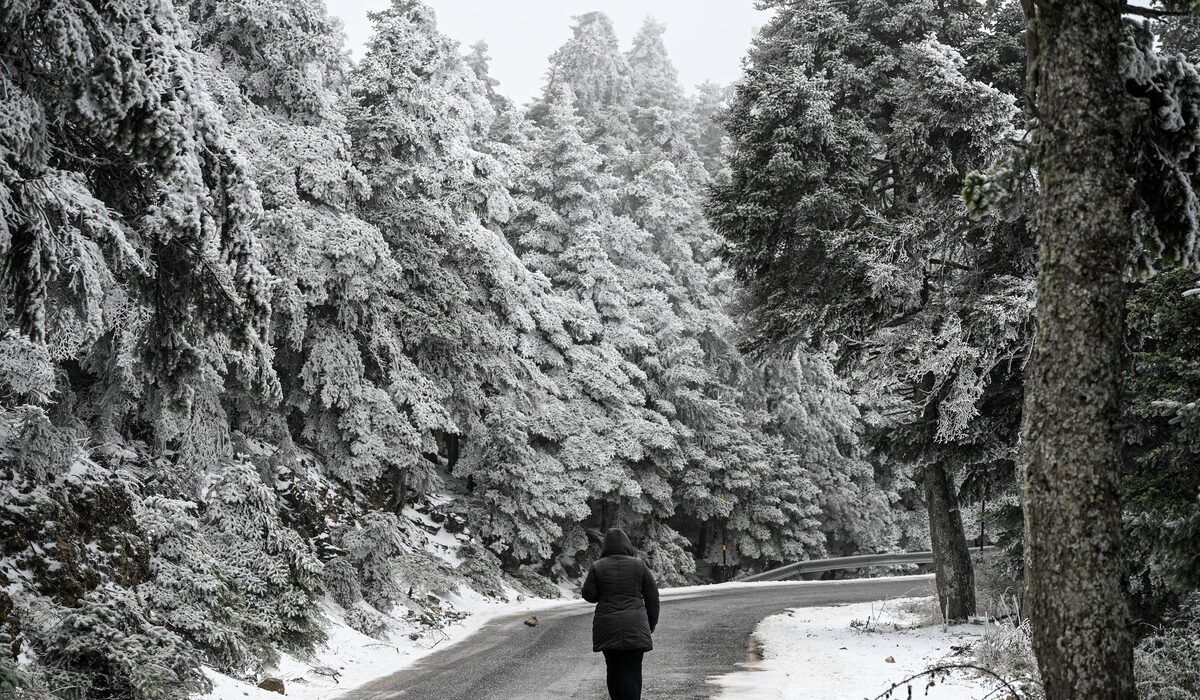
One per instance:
(704, 634)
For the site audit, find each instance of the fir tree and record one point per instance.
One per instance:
(415, 109)
(567, 229)
(155, 269)
(843, 218)
(591, 66)
(1161, 489)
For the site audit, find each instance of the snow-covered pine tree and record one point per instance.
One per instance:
(414, 110)
(700, 374)
(127, 213)
(134, 296)
(843, 218)
(647, 185)
(814, 416)
(232, 578)
(598, 75)
(485, 335)
(654, 81)
(281, 83)
(566, 228)
(588, 102)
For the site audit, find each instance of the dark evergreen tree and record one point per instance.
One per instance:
(1161, 487)
(842, 216)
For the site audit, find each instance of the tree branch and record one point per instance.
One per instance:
(1151, 12)
(946, 669)
(950, 263)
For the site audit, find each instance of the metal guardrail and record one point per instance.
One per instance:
(857, 561)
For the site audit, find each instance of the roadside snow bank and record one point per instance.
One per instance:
(843, 652)
(350, 659)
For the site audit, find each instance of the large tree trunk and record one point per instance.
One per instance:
(1075, 578)
(953, 571)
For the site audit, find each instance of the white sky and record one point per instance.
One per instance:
(706, 38)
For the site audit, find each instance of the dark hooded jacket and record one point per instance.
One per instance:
(626, 597)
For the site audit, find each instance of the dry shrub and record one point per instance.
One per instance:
(1006, 648)
(923, 612)
(1167, 663)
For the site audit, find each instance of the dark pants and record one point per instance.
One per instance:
(624, 674)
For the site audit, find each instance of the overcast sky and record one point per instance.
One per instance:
(706, 38)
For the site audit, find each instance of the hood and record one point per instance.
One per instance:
(617, 542)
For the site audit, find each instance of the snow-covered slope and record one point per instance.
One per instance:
(350, 659)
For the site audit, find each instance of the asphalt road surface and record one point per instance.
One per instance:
(700, 634)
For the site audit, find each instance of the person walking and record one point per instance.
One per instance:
(626, 599)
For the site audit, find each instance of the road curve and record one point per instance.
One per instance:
(701, 633)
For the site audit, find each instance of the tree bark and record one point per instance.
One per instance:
(399, 489)
(453, 442)
(1071, 446)
(953, 571)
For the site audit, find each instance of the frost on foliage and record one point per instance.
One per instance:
(69, 521)
(367, 620)
(1165, 659)
(1005, 189)
(360, 427)
(522, 494)
(26, 372)
(667, 553)
(566, 228)
(480, 568)
(107, 647)
(341, 580)
(39, 450)
(391, 570)
(816, 424)
(930, 95)
(1166, 92)
(285, 55)
(273, 571)
(843, 215)
(164, 249)
(197, 591)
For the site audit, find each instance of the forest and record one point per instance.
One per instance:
(268, 312)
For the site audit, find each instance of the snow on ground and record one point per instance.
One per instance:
(811, 653)
(350, 659)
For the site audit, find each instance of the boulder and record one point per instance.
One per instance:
(455, 523)
(273, 684)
